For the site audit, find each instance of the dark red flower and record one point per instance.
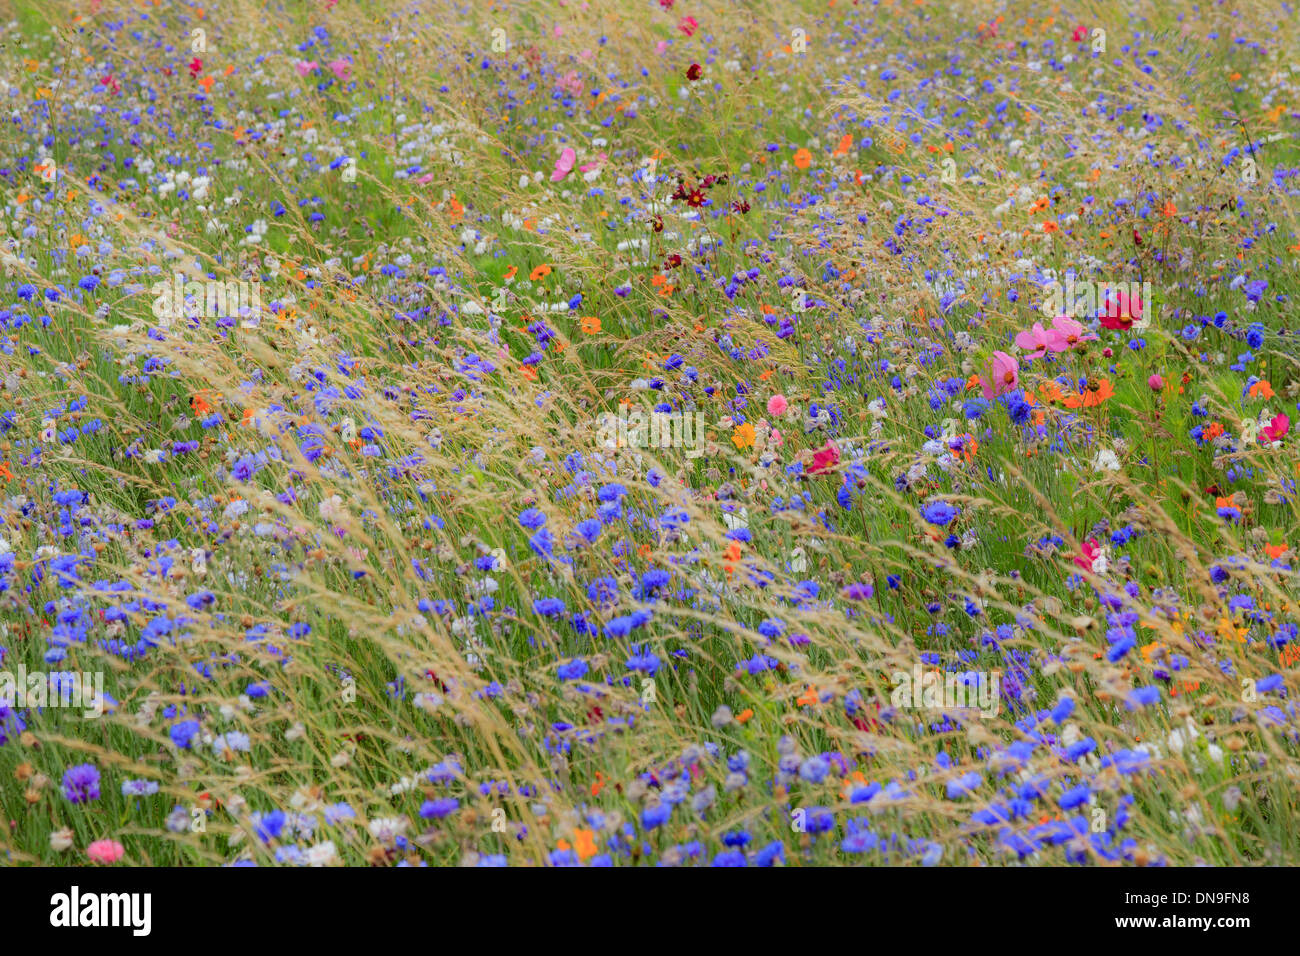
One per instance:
(694, 72)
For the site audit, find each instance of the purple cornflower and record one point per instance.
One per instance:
(81, 783)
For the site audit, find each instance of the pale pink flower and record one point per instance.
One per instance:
(1004, 376)
(341, 68)
(306, 66)
(571, 83)
(1034, 342)
(105, 851)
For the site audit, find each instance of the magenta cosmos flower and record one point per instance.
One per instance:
(1122, 311)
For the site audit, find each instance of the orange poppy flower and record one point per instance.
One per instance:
(510, 273)
(1051, 390)
(846, 144)
(807, 698)
(584, 844)
(745, 715)
(590, 324)
(1261, 389)
(1090, 397)
(802, 158)
(5, 473)
(540, 272)
(732, 555)
(1050, 226)
(1275, 551)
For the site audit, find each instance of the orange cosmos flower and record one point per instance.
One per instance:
(802, 158)
(590, 324)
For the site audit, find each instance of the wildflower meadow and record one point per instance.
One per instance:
(792, 433)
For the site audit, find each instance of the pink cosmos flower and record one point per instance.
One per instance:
(306, 66)
(564, 165)
(688, 25)
(1279, 426)
(1079, 33)
(571, 83)
(341, 68)
(776, 405)
(1034, 342)
(661, 46)
(105, 851)
(824, 459)
(1066, 333)
(1004, 376)
(594, 164)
